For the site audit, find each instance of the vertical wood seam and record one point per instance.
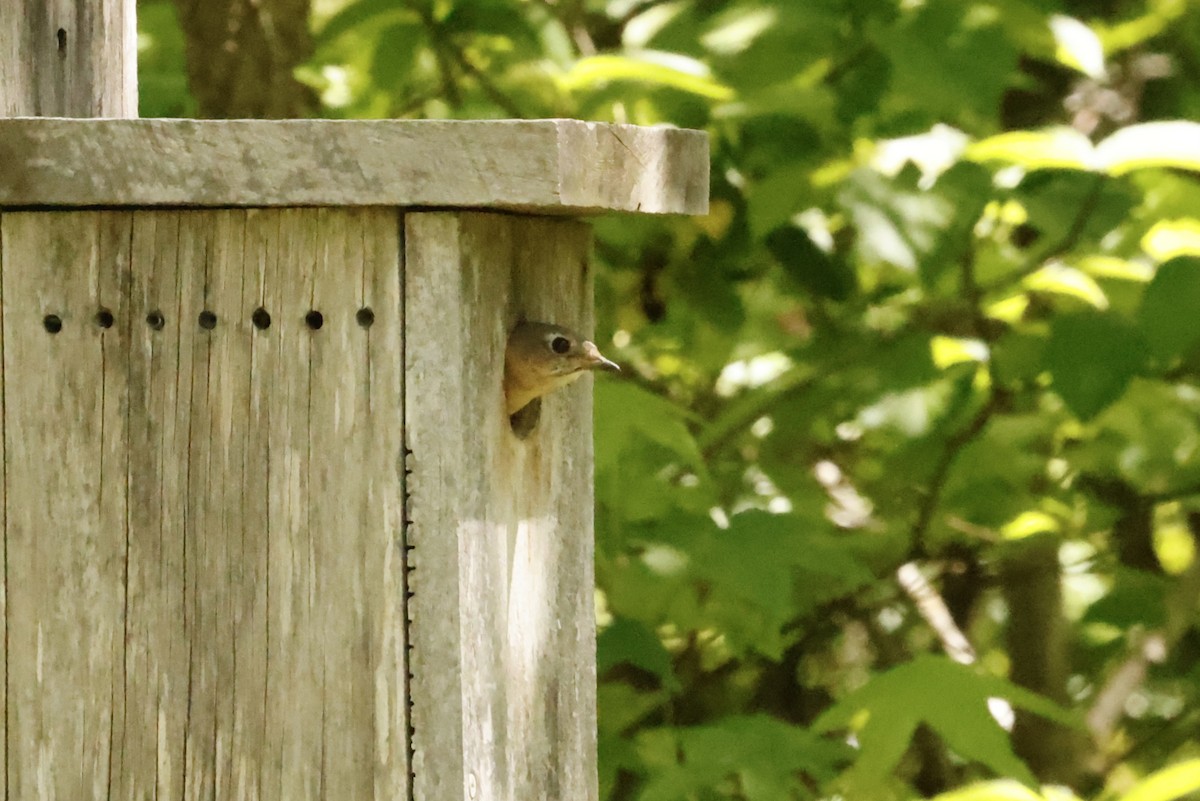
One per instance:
(4, 509)
(405, 509)
(101, 486)
(127, 290)
(187, 522)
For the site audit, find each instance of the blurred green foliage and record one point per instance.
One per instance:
(945, 307)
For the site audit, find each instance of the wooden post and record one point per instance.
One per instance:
(68, 58)
(268, 532)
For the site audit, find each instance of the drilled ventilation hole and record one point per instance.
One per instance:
(365, 317)
(261, 319)
(156, 320)
(52, 323)
(208, 320)
(314, 320)
(104, 318)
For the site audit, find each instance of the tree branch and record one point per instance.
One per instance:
(941, 472)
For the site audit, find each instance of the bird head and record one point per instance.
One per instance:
(542, 357)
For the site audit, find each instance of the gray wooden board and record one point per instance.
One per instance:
(553, 166)
(203, 528)
(64, 535)
(502, 617)
(68, 58)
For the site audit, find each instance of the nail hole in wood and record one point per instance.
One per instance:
(52, 323)
(156, 320)
(365, 317)
(525, 420)
(62, 42)
(314, 320)
(104, 318)
(261, 319)
(208, 320)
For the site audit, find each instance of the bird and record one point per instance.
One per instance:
(541, 357)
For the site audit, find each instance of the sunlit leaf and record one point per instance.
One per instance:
(1078, 46)
(1058, 278)
(1173, 145)
(1029, 524)
(1062, 148)
(1174, 544)
(1000, 790)
(1167, 239)
(655, 69)
(949, 351)
(1167, 784)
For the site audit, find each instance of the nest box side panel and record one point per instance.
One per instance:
(503, 631)
(203, 469)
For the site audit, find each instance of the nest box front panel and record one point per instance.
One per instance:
(203, 504)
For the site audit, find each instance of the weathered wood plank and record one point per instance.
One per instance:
(68, 58)
(555, 166)
(293, 759)
(502, 630)
(204, 522)
(335, 674)
(64, 451)
(380, 443)
(157, 649)
(4, 538)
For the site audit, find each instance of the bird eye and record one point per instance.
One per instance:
(560, 345)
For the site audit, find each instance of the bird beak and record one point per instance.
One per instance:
(596, 361)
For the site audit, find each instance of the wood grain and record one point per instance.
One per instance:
(68, 58)
(552, 166)
(204, 524)
(502, 617)
(66, 502)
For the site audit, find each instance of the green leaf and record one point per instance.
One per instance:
(396, 52)
(622, 705)
(951, 698)
(1167, 318)
(362, 14)
(1092, 358)
(768, 758)
(627, 415)
(632, 642)
(821, 273)
(953, 63)
(898, 223)
(766, 569)
(1135, 600)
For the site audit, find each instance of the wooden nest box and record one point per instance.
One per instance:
(267, 532)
